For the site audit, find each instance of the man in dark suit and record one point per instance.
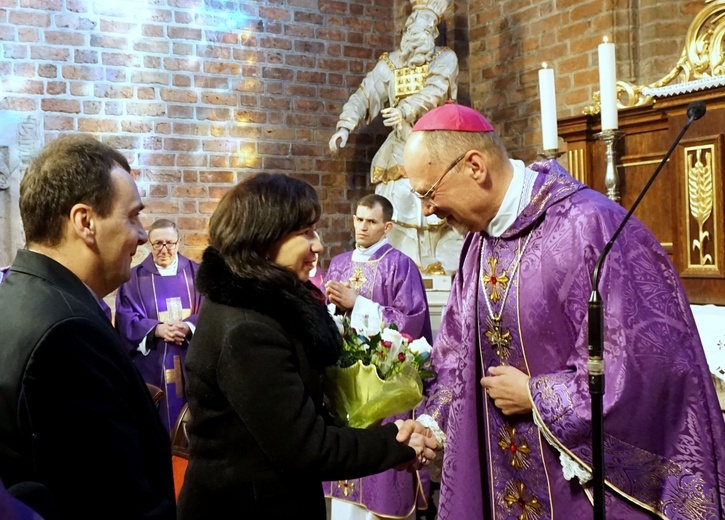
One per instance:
(75, 414)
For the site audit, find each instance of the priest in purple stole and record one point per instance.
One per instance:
(511, 396)
(378, 285)
(156, 313)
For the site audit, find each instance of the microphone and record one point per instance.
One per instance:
(696, 110)
(595, 363)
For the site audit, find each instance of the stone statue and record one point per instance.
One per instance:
(403, 86)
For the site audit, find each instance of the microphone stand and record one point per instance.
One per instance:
(595, 363)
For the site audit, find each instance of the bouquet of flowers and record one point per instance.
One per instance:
(379, 374)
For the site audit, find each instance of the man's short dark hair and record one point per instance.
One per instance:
(372, 200)
(75, 169)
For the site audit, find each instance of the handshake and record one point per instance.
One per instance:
(421, 439)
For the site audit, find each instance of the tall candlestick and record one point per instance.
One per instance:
(608, 85)
(547, 98)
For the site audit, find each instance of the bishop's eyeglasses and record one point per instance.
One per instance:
(427, 197)
(158, 246)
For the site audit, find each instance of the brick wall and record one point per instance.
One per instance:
(510, 40)
(201, 93)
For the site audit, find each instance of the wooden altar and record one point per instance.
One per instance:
(684, 207)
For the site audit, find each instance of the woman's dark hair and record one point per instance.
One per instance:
(253, 216)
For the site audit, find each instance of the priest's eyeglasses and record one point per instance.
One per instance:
(427, 197)
(158, 246)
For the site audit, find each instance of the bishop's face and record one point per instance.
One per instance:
(447, 186)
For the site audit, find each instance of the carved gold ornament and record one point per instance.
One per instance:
(702, 58)
(700, 195)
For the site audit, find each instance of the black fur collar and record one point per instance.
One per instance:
(298, 311)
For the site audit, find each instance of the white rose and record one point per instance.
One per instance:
(420, 346)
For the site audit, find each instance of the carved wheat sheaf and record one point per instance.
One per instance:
(700, 187)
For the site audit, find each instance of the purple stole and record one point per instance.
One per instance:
(143, 302)
(659, 403)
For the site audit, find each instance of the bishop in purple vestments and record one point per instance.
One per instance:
(518, 445)
(156, 313)
(377, 284)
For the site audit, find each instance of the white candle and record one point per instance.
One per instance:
(547, 98)
(608, 85)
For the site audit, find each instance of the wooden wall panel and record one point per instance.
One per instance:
(684, 207)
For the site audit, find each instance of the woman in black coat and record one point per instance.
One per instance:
(260, 442)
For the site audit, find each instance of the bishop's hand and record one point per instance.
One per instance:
(509, 389)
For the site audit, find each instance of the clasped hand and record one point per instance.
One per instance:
(419, 438)
(174, 331)
(341, 294)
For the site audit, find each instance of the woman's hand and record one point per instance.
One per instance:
(419, 438)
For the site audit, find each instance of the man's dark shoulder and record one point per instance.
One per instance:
(35, 304)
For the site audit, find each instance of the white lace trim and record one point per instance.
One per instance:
(569, 466)
(681, 88)
(435, 468)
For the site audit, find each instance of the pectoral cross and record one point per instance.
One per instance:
(357, 279)
(499, 340)
(495, 279)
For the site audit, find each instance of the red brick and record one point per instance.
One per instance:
(199, 160)
(59, 123)
(216, 177)
(219, 99)
(60, 105)
(31, 18)
(182, 191)
(161, 206)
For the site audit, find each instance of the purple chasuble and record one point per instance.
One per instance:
(664, 432)
(143, 302)
(391, 279)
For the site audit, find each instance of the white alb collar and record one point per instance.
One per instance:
(362, 254)
(171, 270)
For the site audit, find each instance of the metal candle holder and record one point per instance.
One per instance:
(611, 176)
(551, 154)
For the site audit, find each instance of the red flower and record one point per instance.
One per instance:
(407, 337)
(386, 343)
(401, 356)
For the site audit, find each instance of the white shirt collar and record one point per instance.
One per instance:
(171, 270)
(362, 254)
(511, 205)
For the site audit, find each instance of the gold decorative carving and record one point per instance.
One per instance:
(436, 268)
(703, 57)
(700, 175)
(577, 164)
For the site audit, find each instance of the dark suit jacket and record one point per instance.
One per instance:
(75, 414)
(260, 444)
